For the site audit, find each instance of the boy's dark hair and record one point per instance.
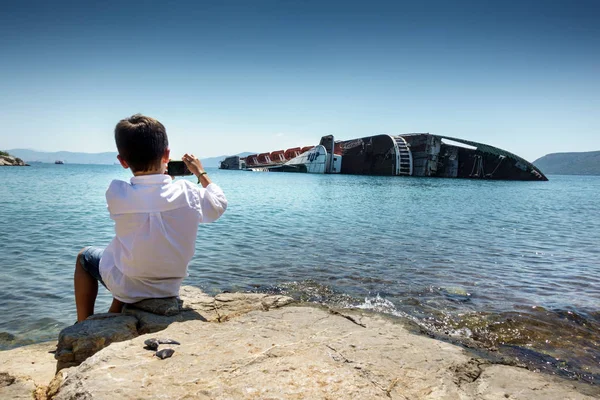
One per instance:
(141, 142)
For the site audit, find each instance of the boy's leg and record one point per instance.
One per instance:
(86, 290)
(116, 306)
(86, 279)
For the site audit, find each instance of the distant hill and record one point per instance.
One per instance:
(90, 158)
(587, 163)
(66, 156)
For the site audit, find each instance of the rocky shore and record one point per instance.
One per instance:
(11, 161)
(255, 346)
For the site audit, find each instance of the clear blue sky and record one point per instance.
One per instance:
(226, 77)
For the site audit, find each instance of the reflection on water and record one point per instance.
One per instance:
(513, 266)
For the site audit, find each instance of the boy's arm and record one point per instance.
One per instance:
(212, 200)
(203, 179)
(196, 168)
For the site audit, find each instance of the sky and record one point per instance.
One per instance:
(231, 76)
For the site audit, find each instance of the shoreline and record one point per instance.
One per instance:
(505, 354)
(294, 351)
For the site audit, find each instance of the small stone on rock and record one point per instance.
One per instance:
(151, 344)
(168, 341)
(165, 353)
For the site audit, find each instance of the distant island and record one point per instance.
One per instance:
(585, 163)
(33, 156)
(7, 160)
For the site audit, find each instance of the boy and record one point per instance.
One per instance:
(156, 222)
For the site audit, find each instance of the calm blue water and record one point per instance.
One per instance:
(508, 264)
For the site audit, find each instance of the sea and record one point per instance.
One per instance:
(510, 269)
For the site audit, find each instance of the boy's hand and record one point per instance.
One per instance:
(193, 164)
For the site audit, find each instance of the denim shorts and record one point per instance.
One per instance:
(90, 261)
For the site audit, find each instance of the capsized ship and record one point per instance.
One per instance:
(414, 154)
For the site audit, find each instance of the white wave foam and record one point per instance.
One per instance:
(379, 304)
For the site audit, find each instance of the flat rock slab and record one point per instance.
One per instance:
(298, 353)
(197, 305)
(15, 388)
(34, 362)
(24, 369)
(78, 342)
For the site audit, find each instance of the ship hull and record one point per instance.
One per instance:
(417, 154)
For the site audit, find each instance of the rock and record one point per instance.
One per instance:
(303, 352)
(15, 388)
(78, 342)
(151, 344)
(501, 381)
(229, 305)
(26, 369)
(149, 323)
(164, 353)
(292, 352)
(34, 362)
(197, 305)
(6, 379)
(11, 161)
(168, 306)
(168, 341)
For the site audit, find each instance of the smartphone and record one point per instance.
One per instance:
(177, 168)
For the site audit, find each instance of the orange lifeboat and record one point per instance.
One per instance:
(278, 157)
(305, 149)
(264, 158)
(292, 153)
(251, 160)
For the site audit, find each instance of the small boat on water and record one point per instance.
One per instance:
(413, 154)
(59, 162)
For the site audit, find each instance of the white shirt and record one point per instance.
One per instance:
(156, 223)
